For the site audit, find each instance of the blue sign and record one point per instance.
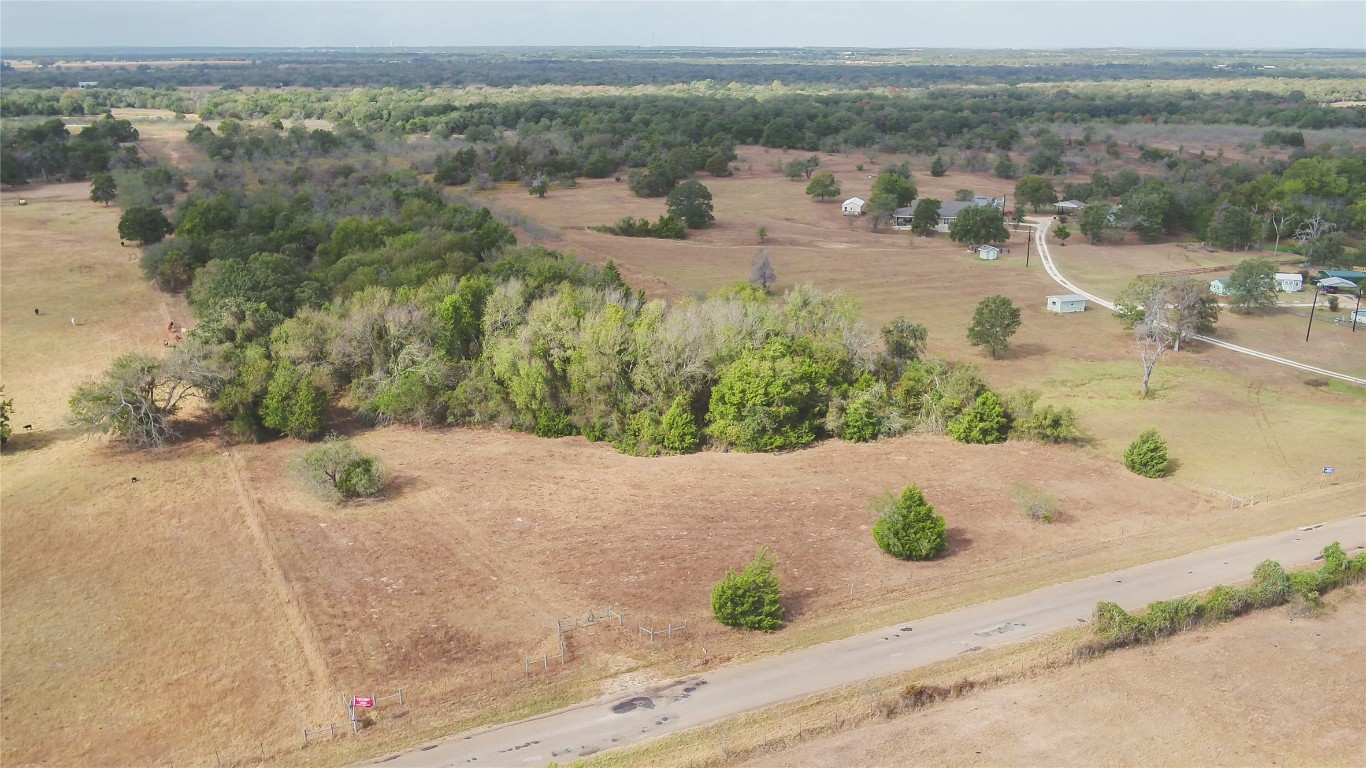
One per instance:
(1328, 470)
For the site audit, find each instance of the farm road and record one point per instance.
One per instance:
(625, 719)
(1041, 227)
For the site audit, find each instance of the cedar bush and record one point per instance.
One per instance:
(750, 599)
(1147, 456)
(907, 527)
(982, 423)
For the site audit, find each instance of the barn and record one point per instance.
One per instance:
(1067, 302)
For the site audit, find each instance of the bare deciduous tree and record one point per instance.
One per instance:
(1310, 231)
(1278, 218)
(761, 273)
(1153, 336)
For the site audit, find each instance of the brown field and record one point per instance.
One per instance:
(211, 610)
(1211, 695)
(1273, 433)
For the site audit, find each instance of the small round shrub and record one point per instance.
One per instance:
(907, 527)
(752, 598)
(1147, 456)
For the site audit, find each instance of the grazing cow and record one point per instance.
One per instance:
(135, 479)
(36, 312)
(73, 321)
(170, 327)
(29, 427)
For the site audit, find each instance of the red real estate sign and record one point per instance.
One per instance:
(363, 702)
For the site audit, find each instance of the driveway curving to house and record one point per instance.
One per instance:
(625, 719)
(1041, 227)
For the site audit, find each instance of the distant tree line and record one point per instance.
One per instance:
(406, 69)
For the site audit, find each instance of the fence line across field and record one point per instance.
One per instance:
(544, 661)
(1235, 502)
(668, 631)
(330, 730)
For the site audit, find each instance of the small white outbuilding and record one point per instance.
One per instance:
(1068, 302)
(1289, 282)
(988, 252)
(1219, 287)
(854, 206)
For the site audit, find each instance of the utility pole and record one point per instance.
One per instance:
(1311, 313)
(1028, 240)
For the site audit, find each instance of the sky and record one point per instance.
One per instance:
(998, 24)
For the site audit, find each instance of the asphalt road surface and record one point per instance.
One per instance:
(569, 734)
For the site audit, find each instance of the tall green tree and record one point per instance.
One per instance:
(691, 202)
(1061, 232)
(938, 168)
(1150, 207)
(103, 188)
(925, 217)
(1094, 220)
(1234, 227)
(1035, 191)
(656, 180)
(146, 225)
(891, 190)
(995, 320)
(979, 224)
(907, 527)
(823, 186)
(1252, 287)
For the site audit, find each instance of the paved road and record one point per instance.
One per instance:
(568, 734)
(1041, 228)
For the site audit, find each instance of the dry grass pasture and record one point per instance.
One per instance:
(1235, 694)
(1261, 428)
(209, 611)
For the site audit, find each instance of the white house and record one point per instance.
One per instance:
(1068, 302)
(988, 252)
(1219, 287)
(1289, 282)
(854, 206)
(948, 211)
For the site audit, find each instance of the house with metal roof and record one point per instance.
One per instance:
(948, 211)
